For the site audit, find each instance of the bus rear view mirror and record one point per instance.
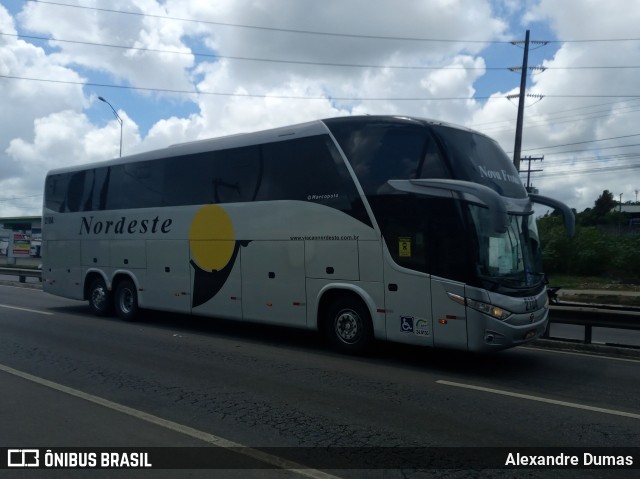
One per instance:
(471, 192)
(567, 214)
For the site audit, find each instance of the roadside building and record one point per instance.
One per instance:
(26, 232)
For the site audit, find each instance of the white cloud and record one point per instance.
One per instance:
(577, 20)
(48, 124)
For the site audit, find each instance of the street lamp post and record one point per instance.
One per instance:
(117, 117)
(620, 202)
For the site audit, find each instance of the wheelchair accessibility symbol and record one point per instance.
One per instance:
(406, 324)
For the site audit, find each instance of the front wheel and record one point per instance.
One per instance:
(348, 326)
(99, 298)
(126, 300)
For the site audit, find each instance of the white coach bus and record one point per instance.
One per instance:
(394, 228)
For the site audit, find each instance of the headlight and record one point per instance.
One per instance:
(489, 309)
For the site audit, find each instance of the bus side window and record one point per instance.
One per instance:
(56, 191)
(75, 192)
(99, 189)
(286, 167)
(222, 176)
(133, 185)
(306, 169)
(236, 175)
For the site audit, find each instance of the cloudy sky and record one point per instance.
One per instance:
(182, 70)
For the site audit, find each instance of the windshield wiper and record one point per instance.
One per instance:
(511, 283)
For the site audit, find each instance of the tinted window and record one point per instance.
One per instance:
(379, 151)
(100, 188)
(135, 185)
(309, 169)
(225, 176)
(425, 234)
(67, 192)
(304, 169)
(477, 158)
(75, 191)
(236, 174)
(55, 191)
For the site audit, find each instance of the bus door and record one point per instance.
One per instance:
(407, 305)
(449, 314)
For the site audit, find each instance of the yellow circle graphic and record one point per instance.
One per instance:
(211, 238)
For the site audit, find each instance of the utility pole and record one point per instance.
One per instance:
(529, 188)
(523, 86)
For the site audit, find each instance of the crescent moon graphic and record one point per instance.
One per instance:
(213, 252)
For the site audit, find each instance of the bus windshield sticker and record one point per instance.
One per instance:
(404, 247)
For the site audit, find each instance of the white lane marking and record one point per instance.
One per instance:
(573, 353)
(212, 439)
(540, 399)
(26, 309)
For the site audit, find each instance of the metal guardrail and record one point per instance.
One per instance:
(22, 273)
(594, 316)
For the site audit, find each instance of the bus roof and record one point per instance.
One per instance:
(300, 130)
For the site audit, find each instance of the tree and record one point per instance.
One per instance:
(593, 251)
(604, 204)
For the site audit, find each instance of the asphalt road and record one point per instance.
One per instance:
(70, 379)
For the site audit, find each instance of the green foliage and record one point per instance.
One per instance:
(556, 246)
(627, 257)
(604, 203)
(603, 212)
(607, 249)
(591, 252)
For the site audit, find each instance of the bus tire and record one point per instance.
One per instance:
(126, 300)
(100, 300)
(348, 326)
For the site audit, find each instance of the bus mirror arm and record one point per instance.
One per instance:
(485, 195)
(567, 214)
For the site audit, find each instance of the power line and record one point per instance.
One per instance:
(267, 60)
(565, 119)
(261, 95)
(591, 149)
(6, 200)
(581, 142)
(601, 67)
(624, 102)
(476, 125)
(596, 159)
(333, 34)
(588, 171)
(624, 95)
(596, 40)
(300, 62)
(243, 95)
(272, 29)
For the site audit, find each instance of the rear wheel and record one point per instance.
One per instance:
(99, 298)
(348, 326)
(126, 300)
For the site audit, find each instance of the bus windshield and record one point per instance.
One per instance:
(479, 159)
(511, 260)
